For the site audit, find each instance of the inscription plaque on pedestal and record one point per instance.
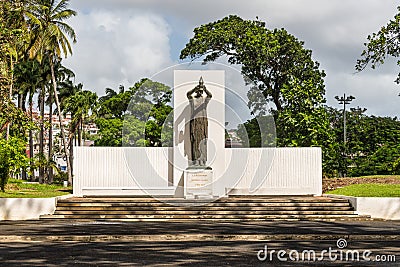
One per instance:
(198, 184)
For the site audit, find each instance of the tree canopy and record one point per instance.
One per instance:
(135, 117)
(271, 59)
(372, 143)
(280, 67)
(382, 44)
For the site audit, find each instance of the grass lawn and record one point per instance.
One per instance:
(364, 186)
(20, 188)
(368, 190)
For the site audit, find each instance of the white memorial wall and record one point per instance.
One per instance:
(164, 171)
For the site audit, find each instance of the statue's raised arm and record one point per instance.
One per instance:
(208, 93)
(199, 90)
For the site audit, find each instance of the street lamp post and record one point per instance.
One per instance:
(344, 100)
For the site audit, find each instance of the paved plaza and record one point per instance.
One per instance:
(196, 243)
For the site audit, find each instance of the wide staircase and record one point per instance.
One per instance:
(224, 209)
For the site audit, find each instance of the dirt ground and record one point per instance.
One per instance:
(333, 183)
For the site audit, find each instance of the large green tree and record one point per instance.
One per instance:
(150, 105)
(274, 60)
(382, 44)
(283, 72)
(139, 116)
(110, 116)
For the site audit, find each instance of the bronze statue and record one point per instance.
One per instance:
(199, 97)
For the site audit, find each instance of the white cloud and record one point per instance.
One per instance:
(118, 48)
(121, 41)
(148, 49)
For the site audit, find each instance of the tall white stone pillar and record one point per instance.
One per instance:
(184, 81)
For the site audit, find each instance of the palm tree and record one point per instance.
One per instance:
(28, 78)
(79, 105)
(51, 34)
(66, 90)
(63, 75)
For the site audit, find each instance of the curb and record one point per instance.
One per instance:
(191, 238)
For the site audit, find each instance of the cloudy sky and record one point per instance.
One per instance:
(122, 41)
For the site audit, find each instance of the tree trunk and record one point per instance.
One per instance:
(23, 107)
(60, 116)
(80, 134)
(71, 151)
(31, 178)
(41, 135)
(10, 95)
(50, 170)
(72, 139)
(19, 101)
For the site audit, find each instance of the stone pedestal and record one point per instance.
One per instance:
(198, 184)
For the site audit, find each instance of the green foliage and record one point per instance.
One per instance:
(46, 19)
(12, 158)
(258, 132)
(10, 114)
(135, 117)
(13, 33)
(150, 105)
(158, 130)
(372, 146)
(368, 190)
(13, 36)
(110, 132)
(385, 42)
(60, 177)
(79, 105)
(282, 71)
(133, 132)
(113, 104)
(271, 59)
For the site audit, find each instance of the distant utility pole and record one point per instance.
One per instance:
(344, 100)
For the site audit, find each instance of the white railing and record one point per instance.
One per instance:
(141, 171)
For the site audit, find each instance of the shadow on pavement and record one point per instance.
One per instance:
(179, 253)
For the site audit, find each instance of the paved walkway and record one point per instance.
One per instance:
(38, 243)
(67, 230)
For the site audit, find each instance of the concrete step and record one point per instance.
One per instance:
(196, 208)
(205, 217)
(204, 212)
(224, 209)
(191, 204)
(270, 200)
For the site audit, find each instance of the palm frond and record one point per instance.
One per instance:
(33, 20)
(62, 5)
(63, 15)
(68, 30)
